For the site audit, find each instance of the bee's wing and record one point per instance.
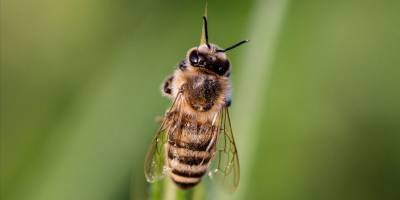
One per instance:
(154, 168)
(154, 164)
(225, 165)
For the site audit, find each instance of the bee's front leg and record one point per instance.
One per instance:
(166, 87)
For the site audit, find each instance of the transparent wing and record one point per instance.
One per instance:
(154, 164)
(225, 168)
(154, 168)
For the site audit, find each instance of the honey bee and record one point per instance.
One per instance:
(195, 136)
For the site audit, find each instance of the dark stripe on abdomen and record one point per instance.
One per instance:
(189, 160)
(185, 186)
(188, 174)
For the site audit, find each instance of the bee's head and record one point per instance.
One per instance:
(209, 56)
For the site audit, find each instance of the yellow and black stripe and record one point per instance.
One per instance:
(186, 152)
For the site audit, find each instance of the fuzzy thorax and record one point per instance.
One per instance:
(203, 93)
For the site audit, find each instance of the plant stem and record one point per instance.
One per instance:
(156, 190)
(167, 190)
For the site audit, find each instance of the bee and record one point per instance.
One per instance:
(195, 137)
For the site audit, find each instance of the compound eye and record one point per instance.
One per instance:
(222, 67)
(194, 57)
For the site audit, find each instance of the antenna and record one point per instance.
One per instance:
(206, 31)
(233, 46)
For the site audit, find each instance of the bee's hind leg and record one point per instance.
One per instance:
(166, 87)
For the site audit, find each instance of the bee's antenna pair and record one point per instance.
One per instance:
(205, 36)
(208, 44)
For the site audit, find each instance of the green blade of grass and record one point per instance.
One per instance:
(156, 190)
(167, 190)
(264, 27)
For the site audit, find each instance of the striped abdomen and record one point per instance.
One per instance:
(187, 154)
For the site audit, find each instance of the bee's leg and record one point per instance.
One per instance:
(182, 65)
(166, 87)
(228, 101)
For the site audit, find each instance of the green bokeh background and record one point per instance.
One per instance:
(315, 101)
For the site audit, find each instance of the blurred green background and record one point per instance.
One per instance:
(316, 110)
